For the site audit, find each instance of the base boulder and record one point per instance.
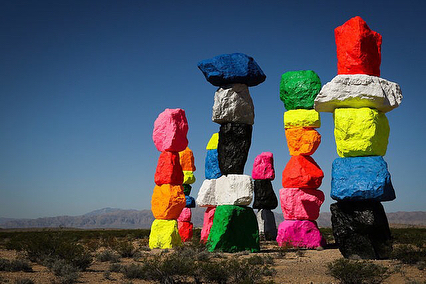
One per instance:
(304, 234)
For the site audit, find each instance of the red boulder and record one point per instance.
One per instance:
(302, 172)
(358, 48)
(185, 230)
(169, 170)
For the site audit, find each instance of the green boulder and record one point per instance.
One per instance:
(234, 229)
(298, 89)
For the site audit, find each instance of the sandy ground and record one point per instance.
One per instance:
(309, 266)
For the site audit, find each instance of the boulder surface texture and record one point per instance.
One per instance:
(189, 201)
(302, 141)
(302, 172)
(233, 103)
(167, 201)
(212, 144)
(233, 147)
(232, 68)
(267, 225)
(169, 170)
(188, 177)
(361, 229)
(301, 204)
(234, 229)
(187, 189)
(164, 234)
(211, 169)
(298, 89)
(361, 178)
(302, 118)
(186, 158)
(360, 132)
(206, 195)
(358, 48)
(234, 190)
(300, 233)
(170, 130)
(185, 231)
(358, 91)
(263, 166)
(207, 224)
(264, 195)
(185, 215)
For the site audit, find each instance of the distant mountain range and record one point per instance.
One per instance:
(107, 218)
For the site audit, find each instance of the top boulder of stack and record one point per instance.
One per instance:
(298, 89)
(232, 68)
(358, 48)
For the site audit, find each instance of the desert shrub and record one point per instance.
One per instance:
(125, 248)
(357, 272)
(134, 271)
(15, 265)
(24, 281)
(409, 254)
(108, 255)
(327, 233)
(67, 273)
(409, 236)
(115, 267)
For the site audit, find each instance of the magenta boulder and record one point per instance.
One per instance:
(300, 233)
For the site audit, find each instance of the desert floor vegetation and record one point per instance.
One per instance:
(123, 256)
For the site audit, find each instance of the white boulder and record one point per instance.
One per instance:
(206, 195)
(357, 91)
(234, 190)
(233, 104)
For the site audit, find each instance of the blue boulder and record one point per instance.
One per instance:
(212, 170)
(361, 178)
(190, 201)
(232, 68)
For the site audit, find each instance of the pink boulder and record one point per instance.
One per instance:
(185, 230)
(169, 170)
(207, 224)
(297, 233)
(263, 167)
(170, 129)
(302, 172)
(301, 204)
(185, 215)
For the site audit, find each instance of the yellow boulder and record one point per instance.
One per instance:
(164, 234)
(302, 118)
(360, 132)
(214, 140)
(188, 177)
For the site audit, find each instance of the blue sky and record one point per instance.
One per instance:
(81, 83)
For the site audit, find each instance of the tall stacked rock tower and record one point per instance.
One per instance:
(359, 99)
(300, 197)
(168, 199)
(234, 225)
(185, 226)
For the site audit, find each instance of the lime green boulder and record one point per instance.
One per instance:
(302, 118)
(298, 89)
(234, 229)
(164, 234)
(360, 132)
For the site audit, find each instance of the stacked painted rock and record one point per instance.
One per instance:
(264, 197)
(234, 225)
(206, 196)
(185, 226)
(168, 199)
(300, 197)
(359, 98)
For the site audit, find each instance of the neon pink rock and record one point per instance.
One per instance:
(263, 167)
(170, 129)
(185, 215)
(207, 224)
(300, 233)
(301, 204)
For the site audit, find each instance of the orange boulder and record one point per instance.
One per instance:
(187, 160)
(167, 201)
(169, 170)
(302, 141)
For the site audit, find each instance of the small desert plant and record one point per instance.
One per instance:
(108, 255)
(409, 254)
(24, 281)
(357, 272)
(15, 265)
(67, 273)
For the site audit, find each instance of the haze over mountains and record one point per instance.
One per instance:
(108, 218)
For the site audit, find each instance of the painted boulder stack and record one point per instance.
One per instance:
(359, 99)
(185, 226)
(264, 196)
(234, 225)
(168, 198)
(300, 197)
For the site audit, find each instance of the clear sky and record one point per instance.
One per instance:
(82, 82)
